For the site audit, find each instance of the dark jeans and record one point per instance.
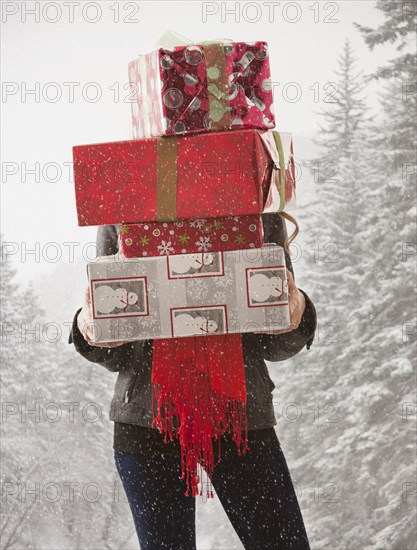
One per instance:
(255, 490)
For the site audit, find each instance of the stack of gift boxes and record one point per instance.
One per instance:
(188, 193)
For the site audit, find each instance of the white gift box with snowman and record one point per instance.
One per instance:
(187, 295)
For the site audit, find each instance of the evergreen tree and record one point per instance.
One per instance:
(391, 235)
(397, 136)
(343, 116)
(43, 379)
(399, 28)
(341, 173)
(390, 223)
(360, 376)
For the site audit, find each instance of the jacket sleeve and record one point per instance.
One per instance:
(110, 358)
(278, 347)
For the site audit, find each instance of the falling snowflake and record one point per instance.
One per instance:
(165, 247)
(203, 244)
(198, 222)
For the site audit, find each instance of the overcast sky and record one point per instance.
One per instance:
(304, 39)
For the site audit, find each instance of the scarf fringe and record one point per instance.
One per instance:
(203, 415)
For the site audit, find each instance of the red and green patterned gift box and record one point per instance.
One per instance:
(174, 178)
(191, 236)
(211, 86)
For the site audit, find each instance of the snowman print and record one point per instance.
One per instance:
(266, 288)
(198, 322)
(194, 265)
(185, 263)
(119, 298)
(186, 325)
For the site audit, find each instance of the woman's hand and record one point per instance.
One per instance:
(85, 325)
(297, 303)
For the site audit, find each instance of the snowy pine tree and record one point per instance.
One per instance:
(359, 383)
(391, 236)
(333, 227)
(60, 487)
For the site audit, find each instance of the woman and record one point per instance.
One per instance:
(255, 488)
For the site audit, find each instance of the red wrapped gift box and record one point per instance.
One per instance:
(202, 87)
(171, 178)
(191, 236)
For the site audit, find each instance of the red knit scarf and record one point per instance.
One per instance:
(200, 381)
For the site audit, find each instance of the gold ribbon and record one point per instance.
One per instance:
(166, 178)
(274, 145)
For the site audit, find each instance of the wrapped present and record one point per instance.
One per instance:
(210, 86)
(188, 294)
(188, 236)
(174, 178)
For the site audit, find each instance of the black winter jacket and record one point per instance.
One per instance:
(132, 400)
